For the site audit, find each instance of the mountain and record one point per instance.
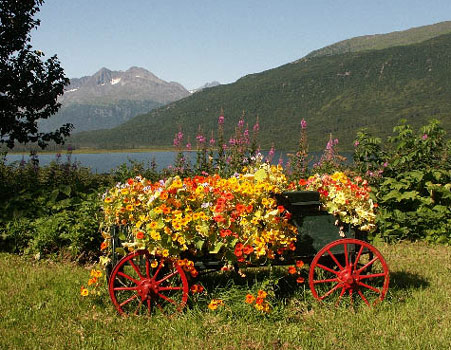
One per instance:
(337, 94)
(109, 98)
(206, 86)
(383, 41)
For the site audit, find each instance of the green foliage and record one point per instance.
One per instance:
(49, 209)
(412, 179)
(29, 86)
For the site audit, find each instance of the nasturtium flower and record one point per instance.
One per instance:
(292, 270)
(250, 299)
(215, 303)
(84, 292)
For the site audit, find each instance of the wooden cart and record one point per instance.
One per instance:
(340, 268)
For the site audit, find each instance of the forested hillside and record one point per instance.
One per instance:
(337, 94)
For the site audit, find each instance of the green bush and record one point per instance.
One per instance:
(412, 181)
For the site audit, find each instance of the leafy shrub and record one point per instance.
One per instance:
(412, 178)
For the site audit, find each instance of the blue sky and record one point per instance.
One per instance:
(197, 41)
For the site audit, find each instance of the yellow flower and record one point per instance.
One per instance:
(154, 264)
(215, 303)
(181, 240)
(155, 235)
(84, 292)
(165, 253)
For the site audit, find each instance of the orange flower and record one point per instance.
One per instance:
(92, 281)
(140, 235)
(250, 299)
(300, 280)
(194, 273)
(261, 294)
(292, 270)
(103, 246)
(299, 264)
(130, 182)
(280, 208)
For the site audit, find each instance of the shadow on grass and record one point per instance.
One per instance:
(284, 284)
(402, 280)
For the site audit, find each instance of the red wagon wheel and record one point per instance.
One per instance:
(141, 283)
(349, 267)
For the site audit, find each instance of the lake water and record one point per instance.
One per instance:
(105, 162)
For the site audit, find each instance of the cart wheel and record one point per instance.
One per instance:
(349, 266)
(141, 283)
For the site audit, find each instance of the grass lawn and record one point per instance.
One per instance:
(41, 308)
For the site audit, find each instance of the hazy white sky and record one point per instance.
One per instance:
(197, 41)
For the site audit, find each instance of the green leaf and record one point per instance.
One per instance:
(217, 247)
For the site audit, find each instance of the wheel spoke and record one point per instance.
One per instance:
(167, 299)
(345, 246)
(335, 260)
(128, 300)
(138, 307)
(358, 256)
(160, 266)
(330, 291)
(363, 297)
(147, 268)
(167, 277)
(382, 274)
(149, 307)
(125, 288)
(327, 269)
(326, 280)
(136, 269)
(369, 287)
(169, 288)
(343, 290)
(371, 262)
(120, 273)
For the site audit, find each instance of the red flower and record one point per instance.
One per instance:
(249, 208)
(248, 249)
(240, 208)
(229, 196)
(300, 280)
(292, 270)
(299, 264)
(239, 250)
(219, 218)
(140, 235)
(302, 182)
(103, 246)
(281, 208)
(130, 182)
(292, 246)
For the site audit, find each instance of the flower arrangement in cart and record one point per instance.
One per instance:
(236, 218)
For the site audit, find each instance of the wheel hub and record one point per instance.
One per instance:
(348, 277)
(147, 288)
